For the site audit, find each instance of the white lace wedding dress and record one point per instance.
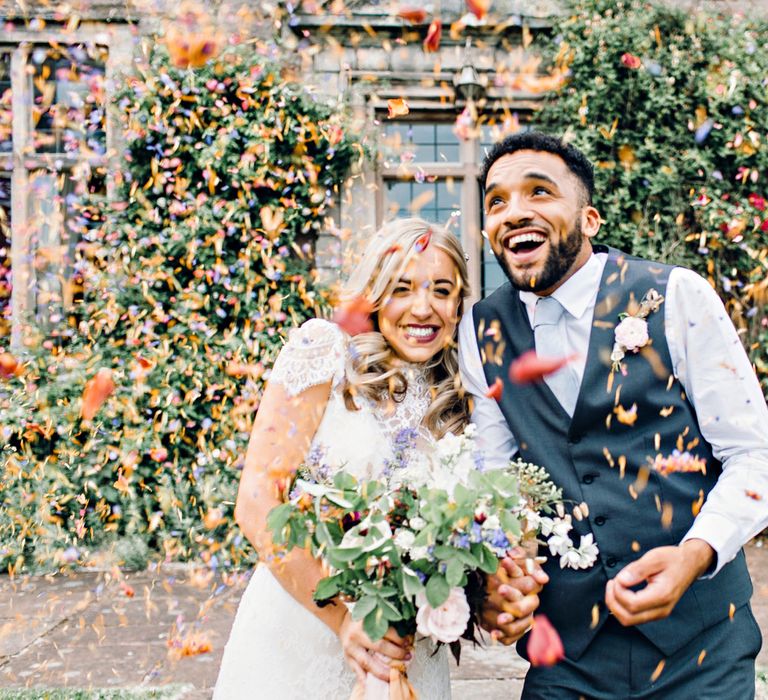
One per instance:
(277, 649)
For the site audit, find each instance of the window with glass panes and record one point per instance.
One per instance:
(425, 168)
(53, 94)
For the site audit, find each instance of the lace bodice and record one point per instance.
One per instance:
(365, 442)
(276, 645)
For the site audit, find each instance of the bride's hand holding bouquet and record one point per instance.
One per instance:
(411, 553)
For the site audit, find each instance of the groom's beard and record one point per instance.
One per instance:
(556, 265)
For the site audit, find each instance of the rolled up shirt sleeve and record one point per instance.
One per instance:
(710, 362)
(494, 437)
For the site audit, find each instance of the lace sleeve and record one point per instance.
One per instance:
(314, 354)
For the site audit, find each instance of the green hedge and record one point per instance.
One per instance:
(673, 109)
(193, 273)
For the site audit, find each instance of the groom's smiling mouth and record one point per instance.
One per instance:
(524, 244)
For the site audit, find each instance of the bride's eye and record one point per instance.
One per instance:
(401, 289)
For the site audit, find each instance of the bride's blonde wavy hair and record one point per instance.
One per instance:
(376, 368)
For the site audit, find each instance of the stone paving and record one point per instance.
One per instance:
(169, 626)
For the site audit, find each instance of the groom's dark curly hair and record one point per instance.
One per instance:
(576, 161)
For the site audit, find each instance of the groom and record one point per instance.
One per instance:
(659, 426)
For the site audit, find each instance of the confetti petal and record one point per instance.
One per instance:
(434, 34)
(397, 108)
(545, 648)
(97, 390)
(354, 317)
(529, 367)
(496, 389)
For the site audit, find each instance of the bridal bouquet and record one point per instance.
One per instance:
(410, 550)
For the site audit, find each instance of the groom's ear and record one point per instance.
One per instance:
(590, 221)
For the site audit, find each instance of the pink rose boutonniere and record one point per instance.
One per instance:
(631, 333)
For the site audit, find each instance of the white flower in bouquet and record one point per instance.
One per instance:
(366, 535)
(419, 553)
(445, 623)
(417, 523)
(492, 522)
(449, 447)
(404, 539)
(532, 520)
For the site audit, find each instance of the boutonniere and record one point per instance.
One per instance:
(631, 333)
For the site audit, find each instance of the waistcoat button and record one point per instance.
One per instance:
(600, 520)
(611, 562)
(588, 478)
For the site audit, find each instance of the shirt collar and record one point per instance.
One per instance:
(578, 292)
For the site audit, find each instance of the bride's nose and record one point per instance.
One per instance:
(421, 306)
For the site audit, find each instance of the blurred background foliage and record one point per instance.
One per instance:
(193, 270)
(672, 107)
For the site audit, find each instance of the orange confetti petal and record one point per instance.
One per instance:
(9, 365)
(731, 611)
(97, 391)
(397, 108)
(753, 495)
(701, 657)
(479, 8)
(657, 671)
(626, 416)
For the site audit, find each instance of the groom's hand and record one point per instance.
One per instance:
(667, 573)
(512, 598)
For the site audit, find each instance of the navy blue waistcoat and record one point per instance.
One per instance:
(597, 459)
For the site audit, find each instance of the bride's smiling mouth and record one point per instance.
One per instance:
(421, 333)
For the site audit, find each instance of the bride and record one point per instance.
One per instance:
(358, 403)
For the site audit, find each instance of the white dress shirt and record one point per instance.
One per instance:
(709, 361)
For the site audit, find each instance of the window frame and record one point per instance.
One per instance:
(21, 162)
(464, 171)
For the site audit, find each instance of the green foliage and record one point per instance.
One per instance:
(672, 107)
(420, 534)
(194, 271)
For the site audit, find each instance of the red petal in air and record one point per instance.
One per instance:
(434, 33)
(422, 242)
(529, 367)
(354, 317)
(545, 648)
(415, 15)
(494, 392)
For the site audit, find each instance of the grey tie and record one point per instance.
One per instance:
(549, 336)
